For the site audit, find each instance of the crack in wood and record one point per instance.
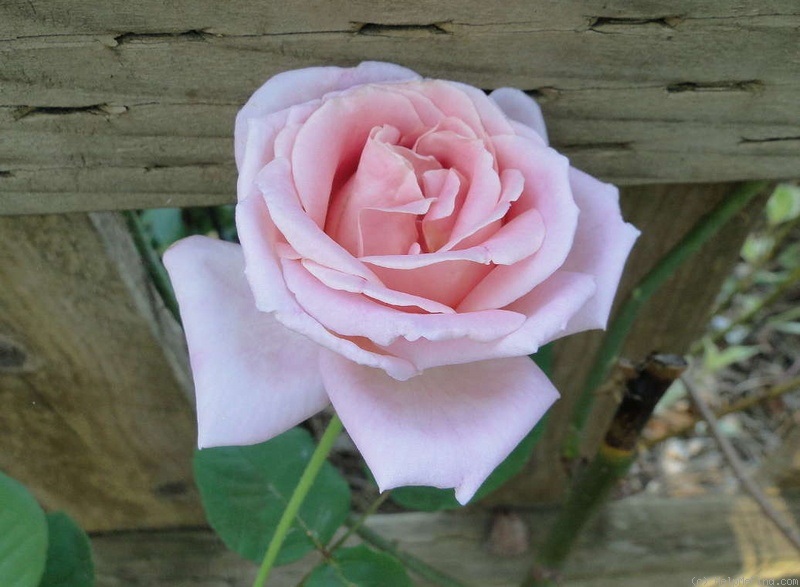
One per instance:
(94, 109)
(190, 35)
(751, 85)
(605, 24)
(609, 146)
(378, 30)
(746, 140)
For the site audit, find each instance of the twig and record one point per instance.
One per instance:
(645, 386)
(738, 469)
(737, 406)
(611, 346)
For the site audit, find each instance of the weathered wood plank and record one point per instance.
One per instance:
(701, 91)
(95, 415)
(638, 541)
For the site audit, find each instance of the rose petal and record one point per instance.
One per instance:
(517, 105)
(265, 274)
(602, 242)
(300, 231)
(547, 310)
(547, 189)
(237, 351)
(351, 314)
(345, 282)
(449, 427)
(302, 85)
(329, 145)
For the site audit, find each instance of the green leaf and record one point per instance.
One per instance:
(359, 567)
(245, 489)
(429, 499)
(69, 554)
(23, 535)
(757, 247)
(784, 204)
(164, 225)
(714, 359)
(787, 327)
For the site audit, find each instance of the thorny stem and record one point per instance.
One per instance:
(645, 386)
(615, 336)
(296, 500)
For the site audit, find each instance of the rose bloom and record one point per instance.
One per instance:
(406, 243)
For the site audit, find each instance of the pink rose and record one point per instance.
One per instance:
(405, 244)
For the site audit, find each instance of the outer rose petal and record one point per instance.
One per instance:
(602, 243)
(518, 106)
(449, 427)
(253, 378)
(295, 87)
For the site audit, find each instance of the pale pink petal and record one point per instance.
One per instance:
(300, 231)
(328, 147)
(518, 106)
(445, 282)
(449, 427)
(354, 284)
(494, 120)
(518, 239)
(547, 190)
(253, 378)
(350, 314)
(512, 184)
(265, 275)
(302, 85)
(547, 309)
(384, 179)
(601, 246)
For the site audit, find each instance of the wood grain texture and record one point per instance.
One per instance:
(675, 317)
(94, 384)
(635, 542)
(113, 105)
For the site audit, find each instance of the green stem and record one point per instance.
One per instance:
(153, 264)
(615, 336)
(374, 506)
(296, 500)
(411, 562)
(590, 489)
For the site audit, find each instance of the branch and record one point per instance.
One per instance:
(737, 406)
(738, 468)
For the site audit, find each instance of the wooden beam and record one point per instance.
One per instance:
(103, 106)
(640, 540)
(94, 387)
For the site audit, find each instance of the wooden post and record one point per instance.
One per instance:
(95, 414)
